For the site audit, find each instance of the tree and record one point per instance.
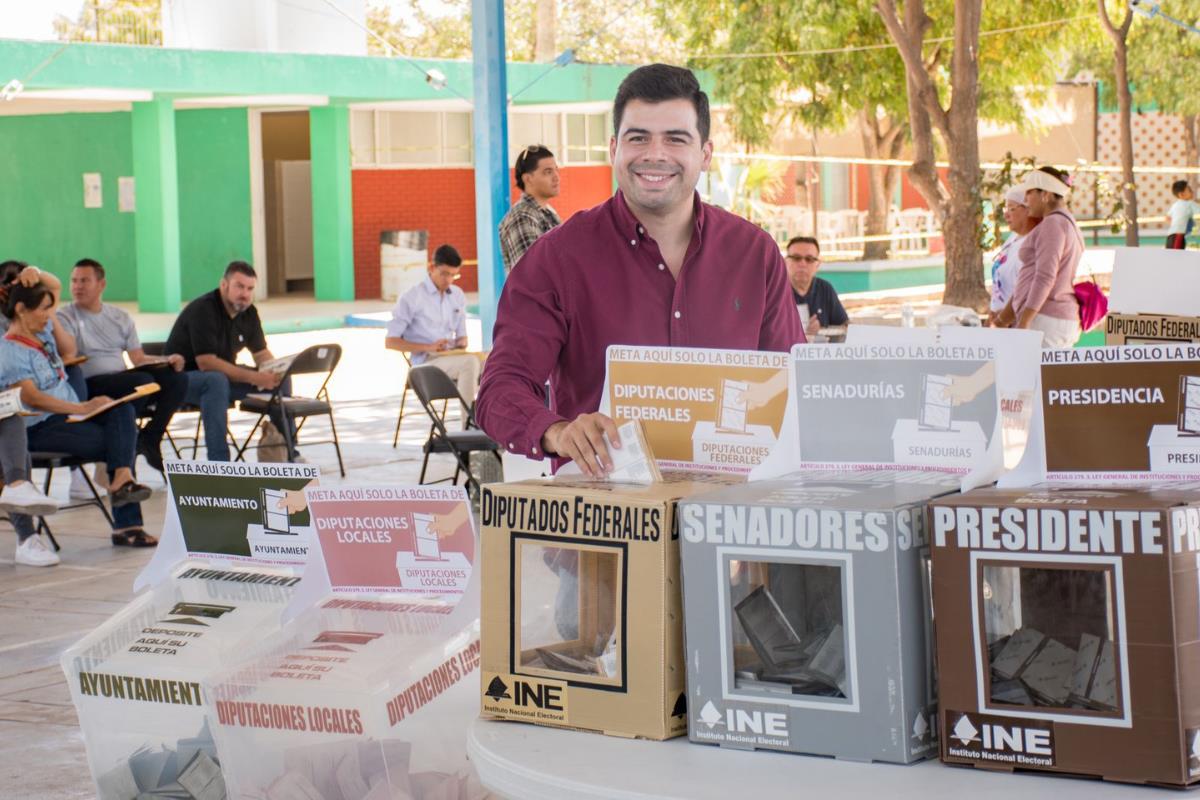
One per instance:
(1162, 59)
(953, 78)
(1119, 34)
(821, 91)
(113, 22)
(597, 31)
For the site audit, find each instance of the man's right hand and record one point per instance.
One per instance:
(582, 441)
(438, 346)
(265, 380)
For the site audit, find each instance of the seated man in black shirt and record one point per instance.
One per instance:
(209, 333)
(816, 298)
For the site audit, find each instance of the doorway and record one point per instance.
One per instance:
(287, 203)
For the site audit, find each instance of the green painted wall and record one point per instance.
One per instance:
(213, 147)
(42, 218)
(43, 221)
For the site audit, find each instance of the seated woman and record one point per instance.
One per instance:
(29, 358)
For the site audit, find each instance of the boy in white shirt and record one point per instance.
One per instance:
(1181, 213)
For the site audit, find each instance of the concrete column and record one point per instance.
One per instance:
(491, 152)
(156, 220)
(332, 206)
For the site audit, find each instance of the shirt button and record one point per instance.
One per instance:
(641, 229)
(533, 450)
(677, 315)
(662, 266)
(633, 241)
(512, 446)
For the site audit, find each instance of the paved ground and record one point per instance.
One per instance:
(42, 611)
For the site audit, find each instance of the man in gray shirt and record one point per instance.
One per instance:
(105, 333)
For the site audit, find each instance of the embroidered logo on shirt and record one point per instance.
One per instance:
(737, 304)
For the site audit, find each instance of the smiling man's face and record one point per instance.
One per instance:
(658, 155)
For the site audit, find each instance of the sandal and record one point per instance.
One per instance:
(135, 537)
(128, 493)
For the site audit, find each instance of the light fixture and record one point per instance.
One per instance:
(12, 89)
(435, 78)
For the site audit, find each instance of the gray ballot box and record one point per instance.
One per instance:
(808, 617)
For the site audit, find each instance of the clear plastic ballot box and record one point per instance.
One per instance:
(206, 602)
(369, 689)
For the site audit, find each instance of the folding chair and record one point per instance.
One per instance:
(320, 358)
(430, 384)
(404, 400)
(50, 461)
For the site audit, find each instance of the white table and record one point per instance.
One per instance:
(527, 762)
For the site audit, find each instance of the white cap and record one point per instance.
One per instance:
(1015, 195)
(1044, 181)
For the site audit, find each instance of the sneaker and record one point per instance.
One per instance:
(33, 552)
(24, 498)
(79, 487)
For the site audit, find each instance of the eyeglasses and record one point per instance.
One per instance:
(805, 259)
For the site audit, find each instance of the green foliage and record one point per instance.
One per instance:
(599, 31)
(113, 22)
(823, 90)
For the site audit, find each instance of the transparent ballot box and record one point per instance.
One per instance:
(136, 680)
(356, 699)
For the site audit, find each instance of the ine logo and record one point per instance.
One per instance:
(1024, 743)
(965, 732)
(738, 720)
(710, 716)
(920, 726)
(497, 690)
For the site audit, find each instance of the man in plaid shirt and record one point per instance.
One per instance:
(531, 216)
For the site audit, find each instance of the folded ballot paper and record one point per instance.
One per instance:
(633, 461)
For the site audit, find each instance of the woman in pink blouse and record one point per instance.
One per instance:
(1044, 297)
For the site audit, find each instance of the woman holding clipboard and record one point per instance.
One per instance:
(29, 359)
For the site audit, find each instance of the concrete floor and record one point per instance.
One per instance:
(42, 611)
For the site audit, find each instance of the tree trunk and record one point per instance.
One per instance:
(1120, 39)
(544, 44)
(964, 255)
(879, 142)
(1125, 109)
(1191, 141)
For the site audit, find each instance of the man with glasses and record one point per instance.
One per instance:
(430, 321)
(530, 217)
(816, 298)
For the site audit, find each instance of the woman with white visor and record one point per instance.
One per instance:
(1044, 296)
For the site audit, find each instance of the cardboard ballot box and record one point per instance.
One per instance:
(581, 622)
(136, 680)
(807, 615)
(1150, 329)
(355, 699)
(1067, 629)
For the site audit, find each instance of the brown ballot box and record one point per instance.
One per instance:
(1068, 630)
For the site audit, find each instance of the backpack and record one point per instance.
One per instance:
(1093, 304)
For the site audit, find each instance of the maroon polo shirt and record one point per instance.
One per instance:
(598, 280)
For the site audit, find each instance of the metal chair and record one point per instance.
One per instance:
(403, 398)
(430, 385)
(50, 461)
(320, 358)
(160, 349)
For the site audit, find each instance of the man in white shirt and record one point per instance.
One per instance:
(431, 318)
(105, 333)
(1181, 213)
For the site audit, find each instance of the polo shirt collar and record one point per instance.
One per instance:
(430, 288)
(627, 223)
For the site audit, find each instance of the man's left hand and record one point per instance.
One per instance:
(814, 326)
(176, 361)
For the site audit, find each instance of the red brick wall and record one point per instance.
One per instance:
(442, 201)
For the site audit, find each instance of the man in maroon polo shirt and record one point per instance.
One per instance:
(652, 266)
